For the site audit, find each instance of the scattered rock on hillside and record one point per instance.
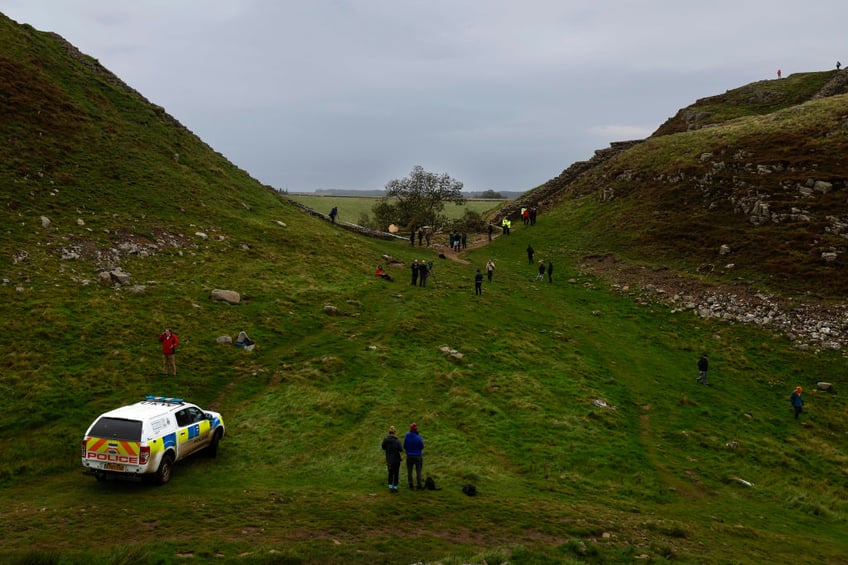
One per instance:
(806, 323)
(228, 296)
(116, 275)
(224, 340)
(332, 310)
(451, 353)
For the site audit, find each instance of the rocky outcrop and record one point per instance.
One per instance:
(808, 324)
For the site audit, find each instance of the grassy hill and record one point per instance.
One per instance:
(572, 408)
(761, 169)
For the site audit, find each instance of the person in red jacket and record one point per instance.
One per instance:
(169, 343)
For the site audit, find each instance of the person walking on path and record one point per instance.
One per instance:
(412, 236)
(541, 275)
(796, 401)
(550, 271)
(478, 283)
(169, 341)
(491, 229)
(394, 450)
(333, 213)
(490, 269)
(413, 444)
(530, 253)
(464, 240)
(703, 366)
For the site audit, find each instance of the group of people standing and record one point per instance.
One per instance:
(458, 240)
(421, 272)
(528, 216)
(423, 233)
(413, 446)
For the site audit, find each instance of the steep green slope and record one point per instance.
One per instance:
(761, 170)
(573, 409)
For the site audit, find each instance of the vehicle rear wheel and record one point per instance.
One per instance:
(212, 448)
(163, 473)
(99, 476)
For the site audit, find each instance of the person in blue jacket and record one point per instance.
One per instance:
(797, 401)
(413, 444)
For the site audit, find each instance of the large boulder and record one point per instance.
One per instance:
(228, 296)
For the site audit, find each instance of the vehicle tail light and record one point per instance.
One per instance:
(83, 449)
(144, 455)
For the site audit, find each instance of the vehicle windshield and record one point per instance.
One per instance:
(117, 428)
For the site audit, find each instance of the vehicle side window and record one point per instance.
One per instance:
(183, 418)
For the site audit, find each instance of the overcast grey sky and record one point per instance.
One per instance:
(499, 94)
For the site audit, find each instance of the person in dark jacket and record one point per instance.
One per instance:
(541, 275)
(413, 444)
(797, 401)
(423, 273)
(550, 271)
(394, 450)
(530, 252)
(478, 283)
(414, 272)
(703, 365)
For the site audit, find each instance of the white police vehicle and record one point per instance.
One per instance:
(148, 437)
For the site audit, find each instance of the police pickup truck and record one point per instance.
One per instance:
(148, 437)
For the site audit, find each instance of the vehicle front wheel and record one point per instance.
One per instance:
(163, 474)
(212, 448)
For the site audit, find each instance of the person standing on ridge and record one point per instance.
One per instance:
(796, 401)
(333, 213)
(703, 366)
(394, 450)
(169, 341)
(413, 444)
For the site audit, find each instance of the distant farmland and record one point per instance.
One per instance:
(351, 208)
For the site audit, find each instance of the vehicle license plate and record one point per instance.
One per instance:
(114, 467)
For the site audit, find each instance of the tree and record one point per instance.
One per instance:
(491, 194)
(419, 199)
